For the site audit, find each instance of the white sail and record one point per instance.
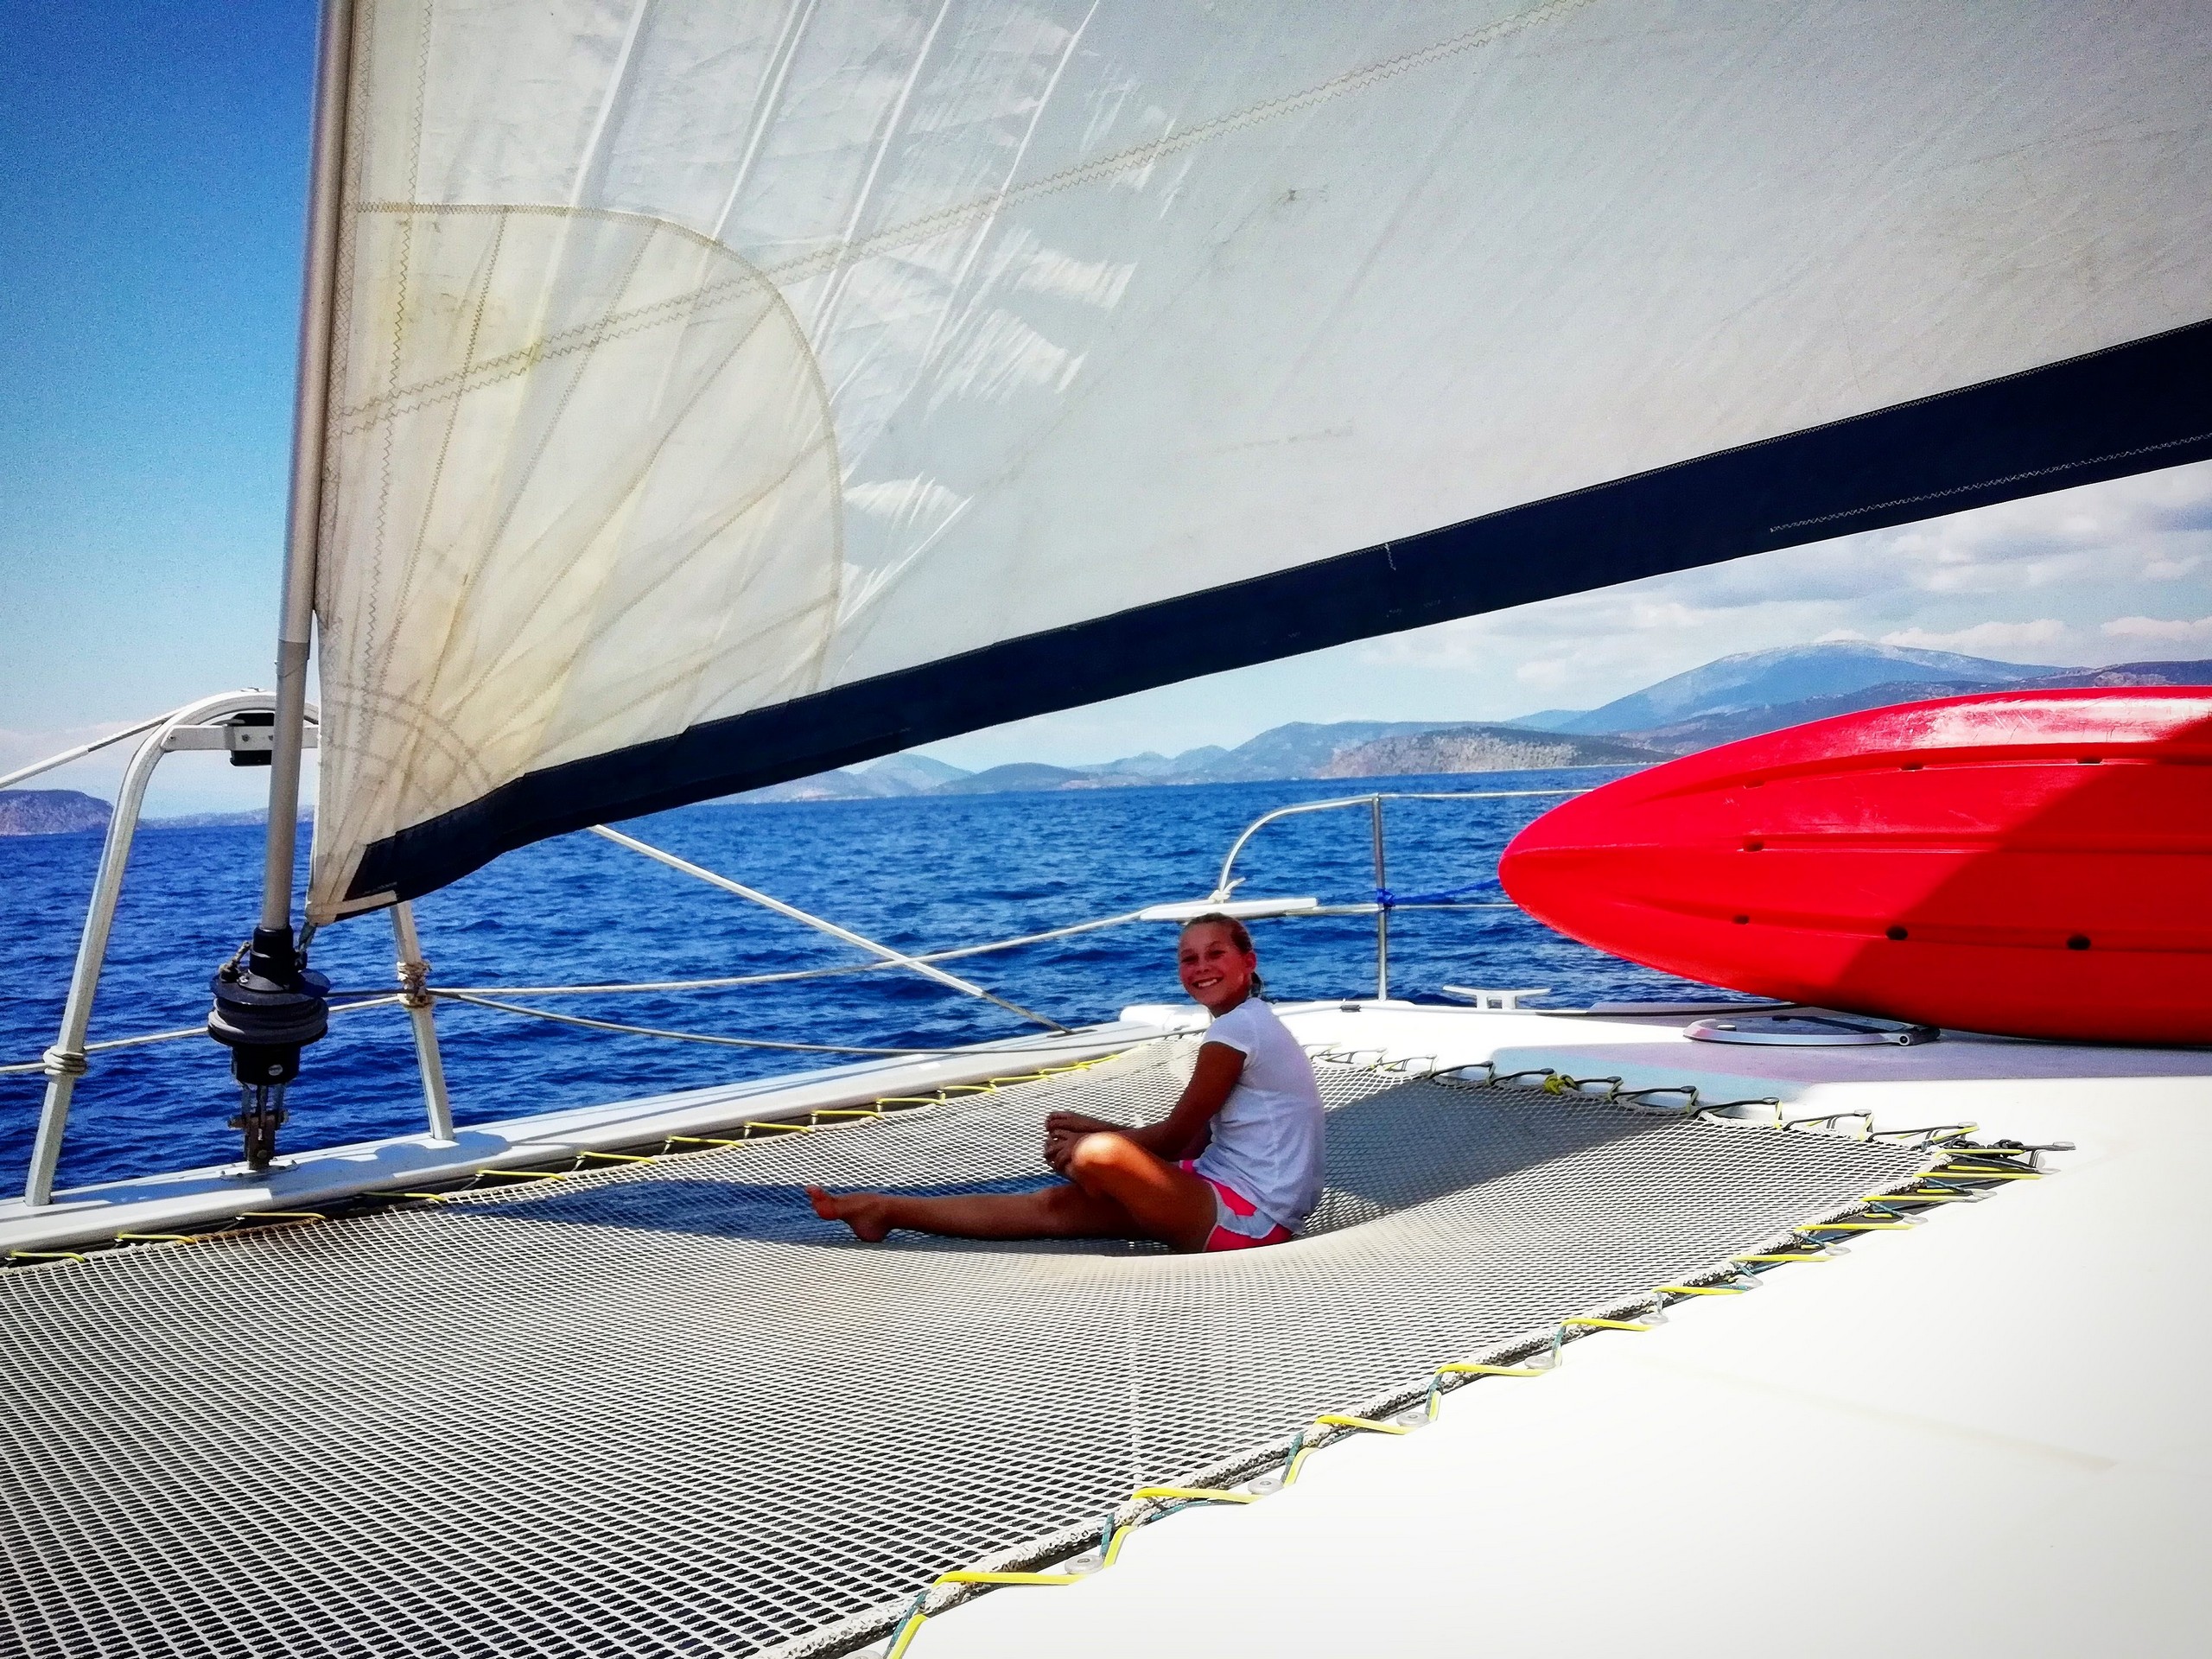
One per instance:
(722, 391)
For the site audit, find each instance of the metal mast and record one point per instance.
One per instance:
(304, 528)
(267, 1005)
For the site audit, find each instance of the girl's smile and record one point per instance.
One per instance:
(1215, 970)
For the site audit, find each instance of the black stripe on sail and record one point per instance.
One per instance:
(2131, 409)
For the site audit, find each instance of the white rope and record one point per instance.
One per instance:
(81, 751)
(1030, 1048)
(790, 975)
(140, 1041)
(460, 993)
(769, 902)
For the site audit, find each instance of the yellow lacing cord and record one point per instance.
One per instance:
(1917, 1198)
(1323, 1430)
(1306, 1444)
(1110, 1552)
(1316, 1433)
(1854, 1226)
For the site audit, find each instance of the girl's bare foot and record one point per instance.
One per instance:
(861, 1212)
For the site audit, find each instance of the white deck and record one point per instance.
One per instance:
(1985, 1435)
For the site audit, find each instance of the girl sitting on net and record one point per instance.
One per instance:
(1237, 1164)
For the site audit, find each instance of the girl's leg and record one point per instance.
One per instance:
(1117, 1190)
(1052, 1212)
(1165, 1200)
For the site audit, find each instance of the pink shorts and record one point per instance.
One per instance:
(1237, 1222)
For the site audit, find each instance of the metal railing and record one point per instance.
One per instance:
(1385, 901)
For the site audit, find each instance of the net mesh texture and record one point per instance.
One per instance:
(664, 1410)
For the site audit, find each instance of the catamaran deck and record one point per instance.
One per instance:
(658, 1408)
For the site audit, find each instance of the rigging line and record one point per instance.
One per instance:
(725, 1042)
(790, 975)
(817, 922)
(83, 749)
(181, 1032)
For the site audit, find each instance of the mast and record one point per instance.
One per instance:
(267, 1005)
(295, 624)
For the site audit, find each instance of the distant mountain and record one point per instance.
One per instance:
(1025, 777)
(2196, 673)
(895, 774)
(1301, 749)
(1732, 697)
(69, 811)
(827, 786)
(1480, 748)
(221, 820)
(911, 773)
(1793, 674)
(1704, 731)
(51, 813)
(1165, 768)
(1545, 720)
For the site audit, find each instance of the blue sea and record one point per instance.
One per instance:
(922, 873)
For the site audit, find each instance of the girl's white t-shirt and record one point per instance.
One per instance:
(1267, 1137)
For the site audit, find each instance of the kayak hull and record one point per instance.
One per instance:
(2032, 864)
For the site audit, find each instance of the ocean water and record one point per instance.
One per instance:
(919, 874)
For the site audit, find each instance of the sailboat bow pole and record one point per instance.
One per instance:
(304, 527)
(267, 1004)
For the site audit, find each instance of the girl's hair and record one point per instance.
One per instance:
(1214, 918)
(1238, 934)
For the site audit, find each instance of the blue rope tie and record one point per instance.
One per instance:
(1390, 901)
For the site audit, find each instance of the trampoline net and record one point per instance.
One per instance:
(664, 1410)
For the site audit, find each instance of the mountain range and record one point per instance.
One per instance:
(1731, 698)
(1765, 690)
(1346, 748)
(73, 812)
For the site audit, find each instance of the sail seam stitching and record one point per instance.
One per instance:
(1987, 483)
(849, 249)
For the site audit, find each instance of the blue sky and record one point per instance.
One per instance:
(154, 161)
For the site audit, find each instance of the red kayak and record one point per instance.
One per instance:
(2030, 863)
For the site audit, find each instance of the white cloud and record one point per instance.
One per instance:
(2161, 629)
(2163, 519)
(1984, 638)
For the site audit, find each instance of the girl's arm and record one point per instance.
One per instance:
(1185, 1132)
